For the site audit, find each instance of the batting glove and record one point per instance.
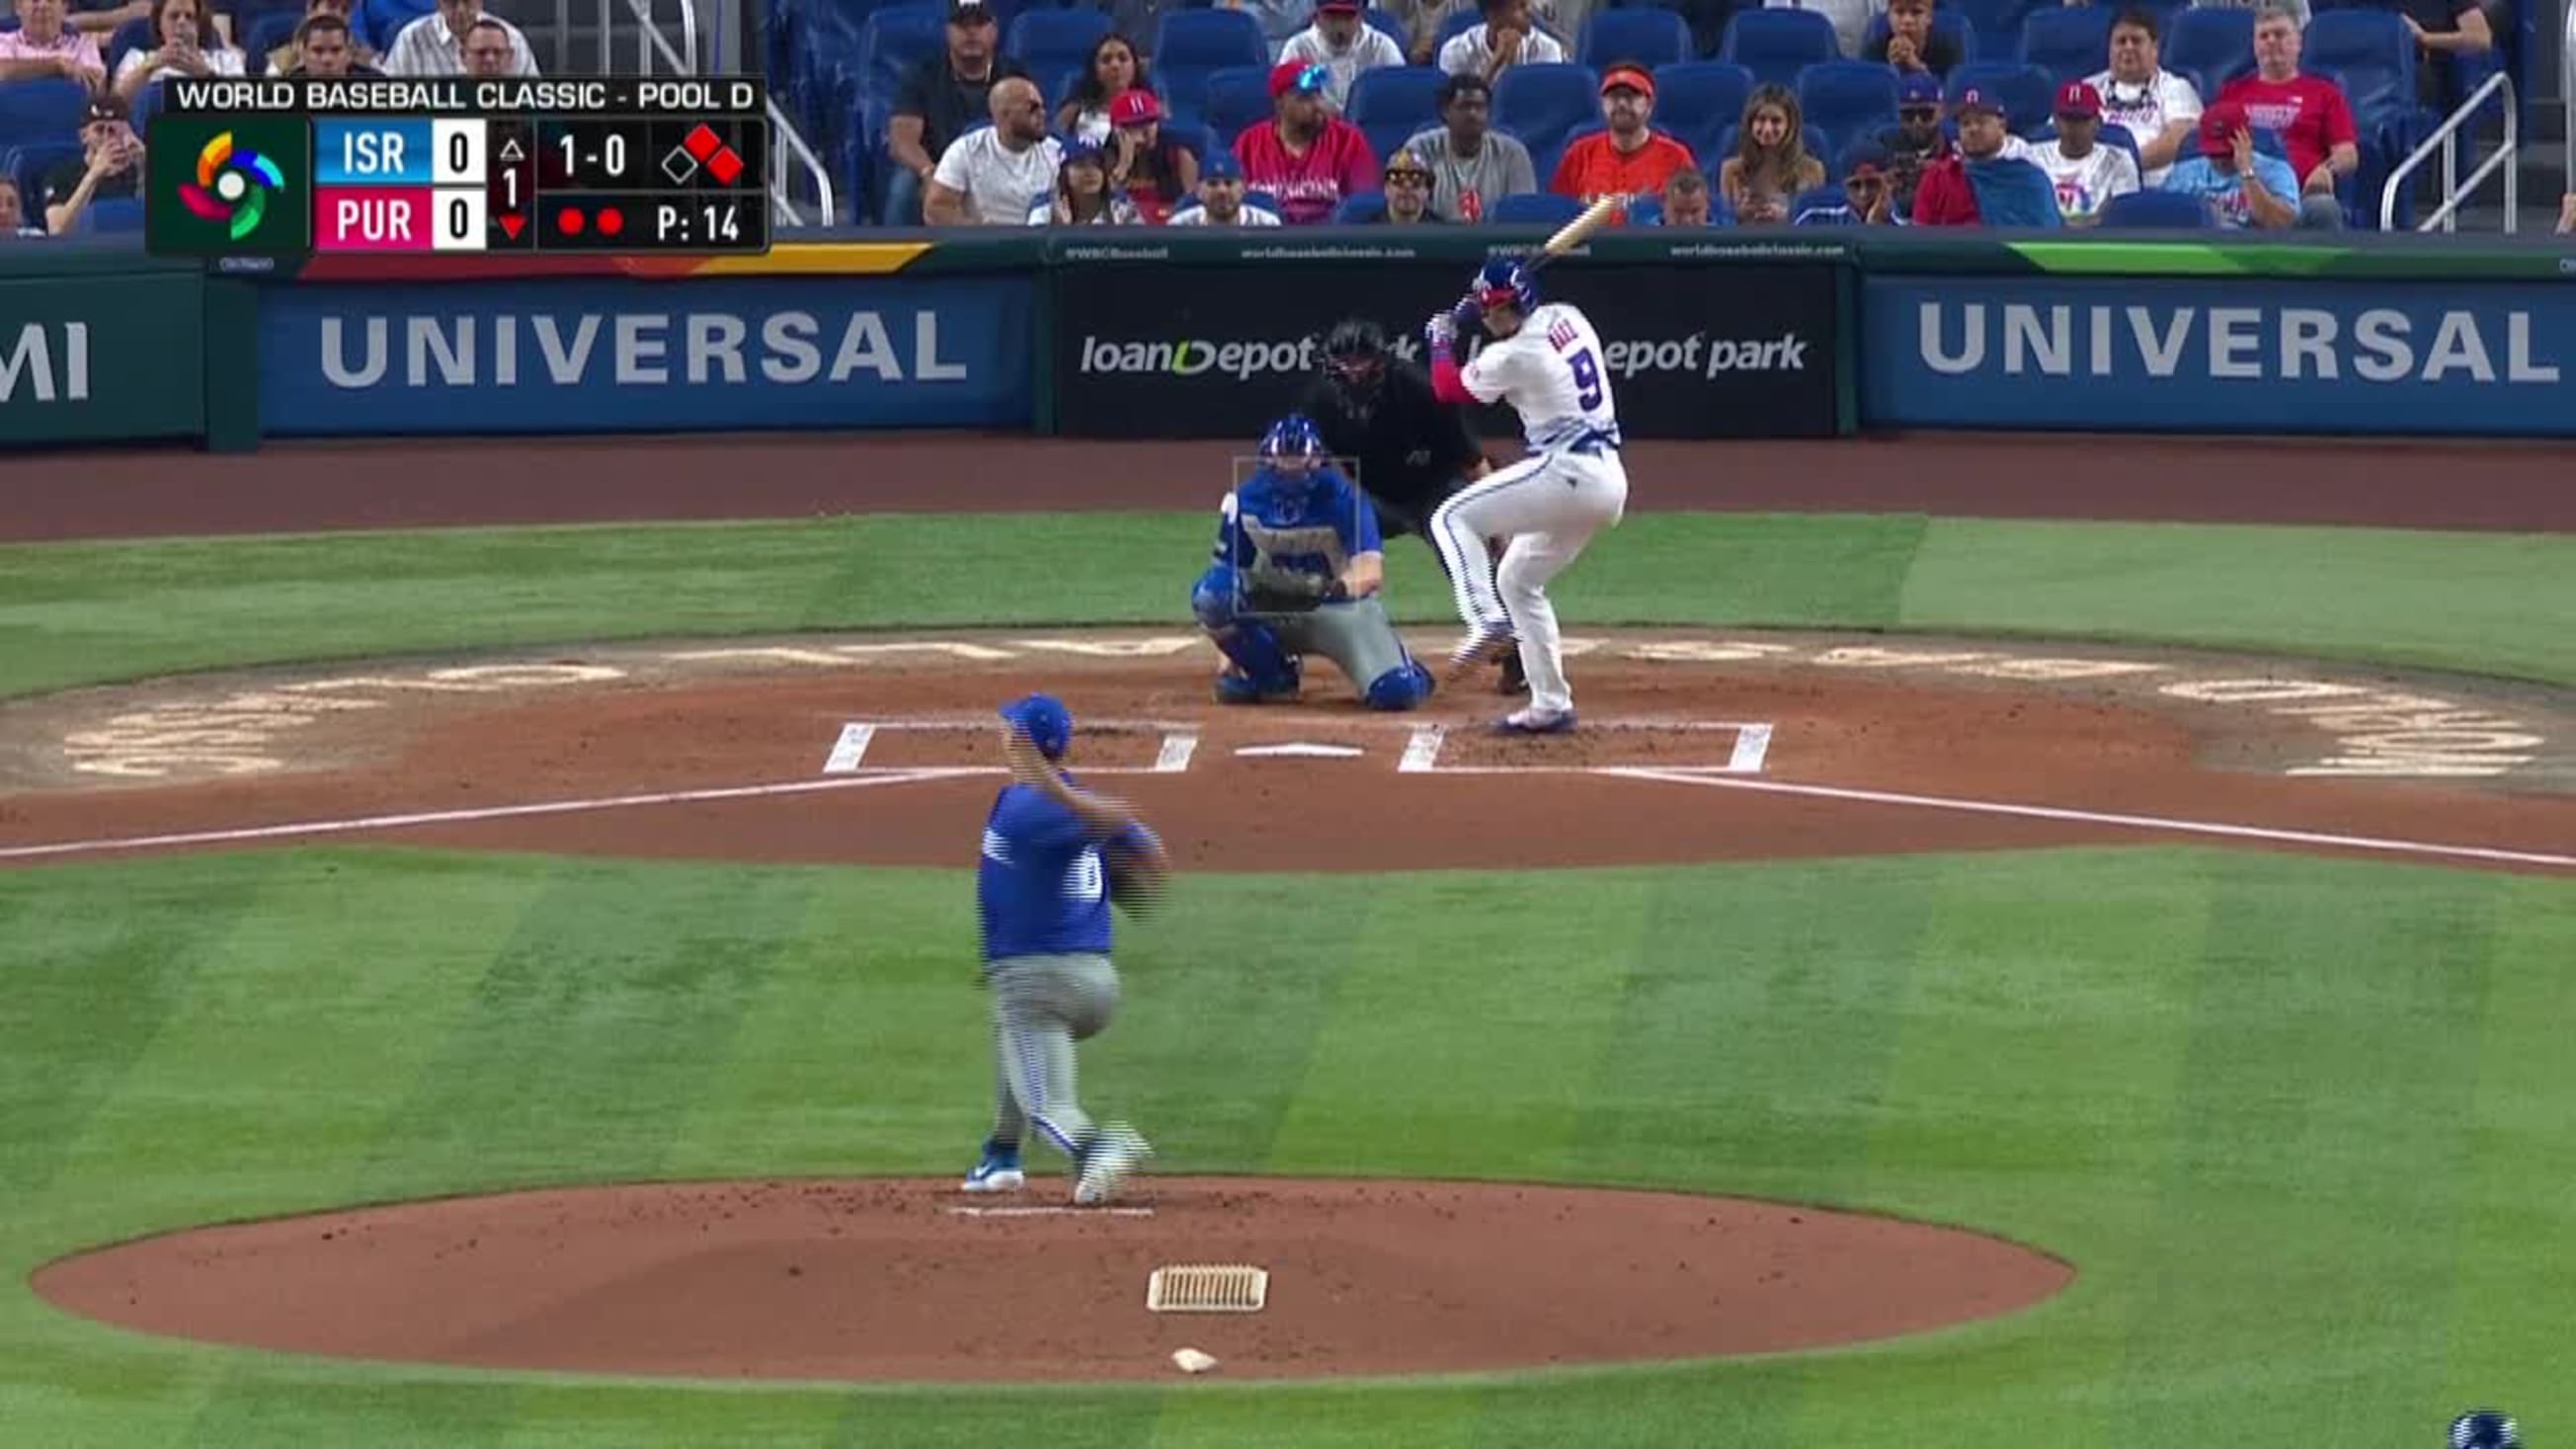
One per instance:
(1441, 331)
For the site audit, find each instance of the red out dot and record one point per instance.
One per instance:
(611, 221)
(570, 221)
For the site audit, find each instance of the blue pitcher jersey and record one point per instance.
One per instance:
(1041, 889)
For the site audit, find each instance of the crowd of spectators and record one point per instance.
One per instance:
(974, 135)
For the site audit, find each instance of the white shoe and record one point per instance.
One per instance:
(995, 1173)
(1113, 1155)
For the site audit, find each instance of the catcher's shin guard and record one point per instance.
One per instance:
(1266, 668)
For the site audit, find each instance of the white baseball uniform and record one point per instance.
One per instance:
(1550, 503)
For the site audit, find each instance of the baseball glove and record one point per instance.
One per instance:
(1282, 591)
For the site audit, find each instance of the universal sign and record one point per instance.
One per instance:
(2385, 357)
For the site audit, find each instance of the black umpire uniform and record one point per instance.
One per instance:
(1413, 451)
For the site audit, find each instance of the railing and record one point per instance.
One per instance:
(784, 141)
(2567, 97)
(2446, 137)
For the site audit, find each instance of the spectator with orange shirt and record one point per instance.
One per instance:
(1629, 158)
(1304, 155)
(1770, 164)
(44, 48)
(2308, 112)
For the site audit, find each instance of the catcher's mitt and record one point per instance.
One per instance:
(1283, 591)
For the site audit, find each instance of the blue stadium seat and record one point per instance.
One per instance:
(1777, 44)
(2159, 209)
(1042, 40)
(27, 165)
(1391, 103)
(377, 22)
(2208, 39)
(1945, 22)
(1361, 209)
(41, 111)
(1543, 104)
(115, 216)
(133, 35)
(1648, 211)
(147, 104)
(1646, 36)
(1848, 96)
(1235, 99)
(1392, 28)
(1458, 24)
(2029, 95)
(1997, 23)
(895, 40)
(2372, 55)
(1697, 100)
(267, 33)
(1190, 45)
(2069, 42)
(1533, 208)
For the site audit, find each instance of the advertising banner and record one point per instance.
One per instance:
(636, 356)
(103, 357)
(1202, 347)
(2252, 356)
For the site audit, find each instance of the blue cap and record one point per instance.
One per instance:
(1220, 163)
(1042, 717)
(1918, 88)
(1083, 151)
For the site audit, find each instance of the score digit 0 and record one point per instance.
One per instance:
(456, 153)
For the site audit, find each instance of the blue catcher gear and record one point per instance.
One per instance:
(1402, 687)
(1294, 436)
(1263, 667)
(1502, 283)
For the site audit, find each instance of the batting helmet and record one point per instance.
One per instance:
(1294, 436)
(1501, 283)
(2485, 1429)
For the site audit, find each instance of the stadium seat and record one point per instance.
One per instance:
(1697, 100)
(1945, 22)
(1543, 104)
(1389, 26)
(2160, 209)
(133, 35)
(27, 166)
(1360, 209)
(1189, 45)
(1848, 96)
(893, 41)
(1533, 208)
(2029, 95)
(1235, 99)
(1043, 40)
(114, 216)
(2370, 49)
(267, 33)
(41, 111)
(1997, 23)
(1645, 36)
(147, 104)
(1774, 45)
(1647, 211)
(1391, 103)
(377, 22)
(2069, 42)
(2212, 40)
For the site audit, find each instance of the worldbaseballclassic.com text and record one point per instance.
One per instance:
(1708, 356)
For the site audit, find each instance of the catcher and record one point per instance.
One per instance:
(1413, 450)
(1298, 567)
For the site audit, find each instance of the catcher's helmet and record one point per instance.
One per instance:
(1294, 436)
(1502, 283)
(2485, 1429)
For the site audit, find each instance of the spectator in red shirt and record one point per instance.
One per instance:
(1630, 158)
(2309, 112)
(1991, 181)
(1307, 157)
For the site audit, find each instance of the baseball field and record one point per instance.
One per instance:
(2095, 980)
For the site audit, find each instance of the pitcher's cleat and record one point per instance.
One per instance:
(1107, 1163)
(998, 1172)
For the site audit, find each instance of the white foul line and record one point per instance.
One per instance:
(849, 749)
(2100, 817)
(1422, 752)
(456, 817)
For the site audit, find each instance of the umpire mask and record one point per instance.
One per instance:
(1355, 359)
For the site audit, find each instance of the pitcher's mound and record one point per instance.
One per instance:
(910, 1280)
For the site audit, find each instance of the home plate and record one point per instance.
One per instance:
(1303, 750)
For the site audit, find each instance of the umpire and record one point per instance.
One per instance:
(1411, 449)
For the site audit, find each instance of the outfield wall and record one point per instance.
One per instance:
(1169, 335)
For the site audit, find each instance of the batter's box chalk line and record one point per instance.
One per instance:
(1035, 1211)
(1424, 744)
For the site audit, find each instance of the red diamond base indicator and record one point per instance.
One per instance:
(725, 166)
(570, 221)
(611, 221)
(702, 143)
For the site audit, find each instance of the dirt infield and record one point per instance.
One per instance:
(874, 1280)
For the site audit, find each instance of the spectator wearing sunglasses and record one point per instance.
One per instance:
(1306, 156)
(1915, 141)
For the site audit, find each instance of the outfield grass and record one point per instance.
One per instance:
(82, 613)
(2299, 1122)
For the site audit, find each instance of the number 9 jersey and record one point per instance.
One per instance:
(1550, 372)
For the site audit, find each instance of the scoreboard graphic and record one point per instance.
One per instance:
(295, 167)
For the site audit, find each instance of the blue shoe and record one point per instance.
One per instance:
(1234, 688)
(998, 1172)
(1535, 721)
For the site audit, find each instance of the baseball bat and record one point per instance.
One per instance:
(1578, 231)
